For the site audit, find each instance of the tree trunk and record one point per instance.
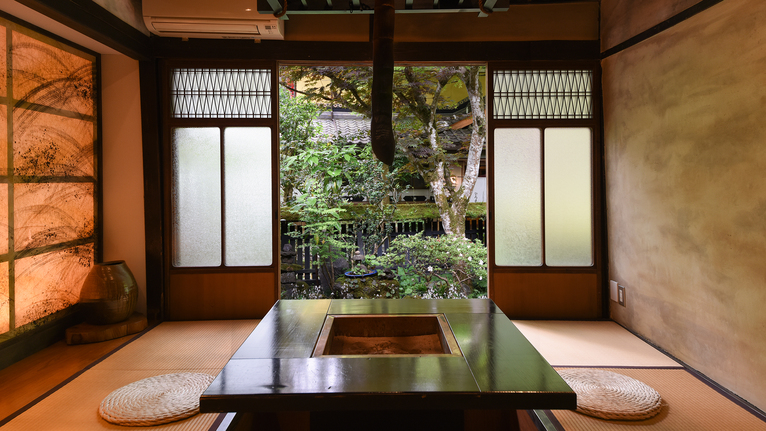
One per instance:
(453, 204)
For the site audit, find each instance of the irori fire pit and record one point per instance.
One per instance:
(398, 335)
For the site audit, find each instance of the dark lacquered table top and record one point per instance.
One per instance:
(273, 369)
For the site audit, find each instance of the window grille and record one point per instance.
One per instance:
(542, 94)
(221, 93)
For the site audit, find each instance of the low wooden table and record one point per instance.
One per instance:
(274, 377)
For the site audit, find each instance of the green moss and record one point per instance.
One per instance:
(404, 211)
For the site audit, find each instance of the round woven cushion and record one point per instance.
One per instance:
(156, 400)
(609, 395)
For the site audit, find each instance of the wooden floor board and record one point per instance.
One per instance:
(30, 378)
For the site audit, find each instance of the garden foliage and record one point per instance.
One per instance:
(445, 266)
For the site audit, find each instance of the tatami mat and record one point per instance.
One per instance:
(171, 347)
(591, 343)
(688, 405)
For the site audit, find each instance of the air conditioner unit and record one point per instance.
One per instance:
(210, 20)
(216, 28)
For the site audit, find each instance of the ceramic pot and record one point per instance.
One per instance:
(109, 293)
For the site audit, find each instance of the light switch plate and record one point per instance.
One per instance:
(613, 290)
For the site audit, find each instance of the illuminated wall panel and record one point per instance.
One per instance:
(3, 62)
(3, 140)
(46, 214)
(3, 219)
(52, 76)
(51, 145)
(38, 294)
(49, 186)
(5, 312)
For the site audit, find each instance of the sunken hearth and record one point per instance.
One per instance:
(396, 335)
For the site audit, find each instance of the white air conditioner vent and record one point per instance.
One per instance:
(216, 28)
(232, 19)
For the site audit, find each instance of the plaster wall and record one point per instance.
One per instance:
(623, 19)
(123, 168)
(685, 148)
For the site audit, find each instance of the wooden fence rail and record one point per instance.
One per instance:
(475, 229)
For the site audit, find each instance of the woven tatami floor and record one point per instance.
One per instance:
(171, 347)
(689, 403)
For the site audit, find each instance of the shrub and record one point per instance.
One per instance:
(446, 266)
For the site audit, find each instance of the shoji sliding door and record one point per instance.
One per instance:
(222, 176)
(544, 164)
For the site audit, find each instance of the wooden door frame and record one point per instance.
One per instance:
(218, 292)
(550, 292)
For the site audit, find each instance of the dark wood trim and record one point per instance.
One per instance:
(94, 21)
(496, 51)
(32, 341)
(276, 225)
(659, 28)
(599, 183)
(292, 51)
(153, 208)
(98, 154)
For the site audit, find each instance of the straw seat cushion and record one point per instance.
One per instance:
(608, 395)
(156, 400)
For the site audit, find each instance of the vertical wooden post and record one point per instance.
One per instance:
(381, 127)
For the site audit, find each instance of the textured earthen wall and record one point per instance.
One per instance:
(685, 137)
(623, 19)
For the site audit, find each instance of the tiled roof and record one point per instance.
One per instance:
(356, 127)
(345, 124)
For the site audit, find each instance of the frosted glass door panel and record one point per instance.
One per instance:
(247, 153)
(196, 194)
(518, 201)
(568, 201)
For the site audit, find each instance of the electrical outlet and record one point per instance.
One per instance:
(621, 295)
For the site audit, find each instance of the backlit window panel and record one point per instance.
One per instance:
(543, 197)
(48, 176)
(5, 310)
(51, 213)
(3, 61)
(50, 282)
(52, 76)
(52, 145)
(3, 219)
(196, 196)
(518, 198)
(568, 201)
(247, 152)
(3, 139)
